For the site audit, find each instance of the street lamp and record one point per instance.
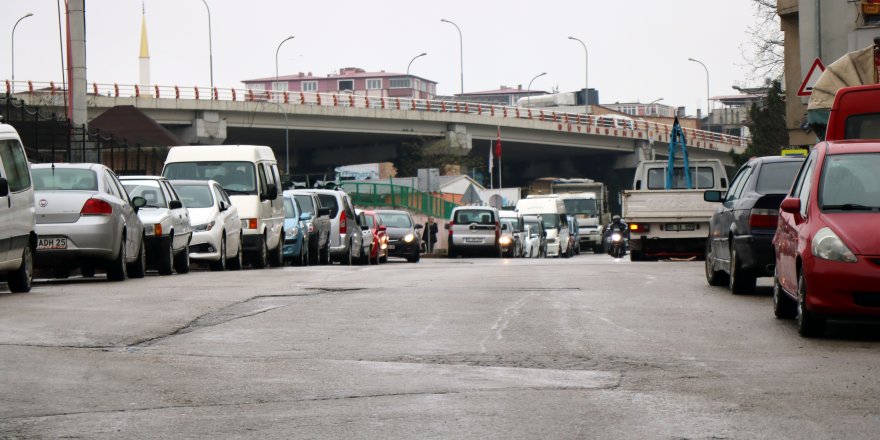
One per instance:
(648, 105)
(29, 14)
(411, 61)
(707, 84)
(210, 47)
(276, 58)
(460, 52)
(529, 89)
(586, 74)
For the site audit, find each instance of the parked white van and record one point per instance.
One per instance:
(551, 208)
(249, 174)
(17, 215)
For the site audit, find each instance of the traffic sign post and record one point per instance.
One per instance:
(813, 75)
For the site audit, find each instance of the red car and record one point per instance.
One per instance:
(827, 243)
(379, 251)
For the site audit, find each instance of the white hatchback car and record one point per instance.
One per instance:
(215, 222)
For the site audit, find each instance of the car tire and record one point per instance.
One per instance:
(809, 324)
(220, 265)
(783, 306)
(741, 281)
(324, 254)
(276, 257)
(713, 277)
(181, 260)
(349, 261)
(451, 252)
(137, 268)
(22, 279)
(237, 262)
(414, 258)
(117, 270)
(261, 258)
(364, 259)
(165, 259)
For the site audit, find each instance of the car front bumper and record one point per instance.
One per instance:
(205, 245)
(843, 289)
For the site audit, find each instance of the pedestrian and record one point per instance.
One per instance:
(429, 235)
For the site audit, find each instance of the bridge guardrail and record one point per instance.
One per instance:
(558, 121)
(386, 195)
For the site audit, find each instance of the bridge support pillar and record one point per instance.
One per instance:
(208, 128)
(458, 141)
(643, 151)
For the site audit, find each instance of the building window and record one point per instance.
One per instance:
(256, 86)
(279, 86)
(309, 86)
(399, 83)
(374, 84)
(346, 84)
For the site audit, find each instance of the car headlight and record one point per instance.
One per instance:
(505, 240)
(203, 227)
(615, 237)
(291, 233)
(409, 238)
(828, 246)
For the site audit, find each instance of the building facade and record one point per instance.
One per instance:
(639, 109)
(823, 29)
(351, 80)
(504, 95)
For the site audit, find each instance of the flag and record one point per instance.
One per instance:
(498, 144)
(491, 161)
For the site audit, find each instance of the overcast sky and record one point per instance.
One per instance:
(638, 49)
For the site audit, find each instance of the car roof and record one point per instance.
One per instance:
(81, 166)
(391, 211)
(142, 178)
(851, 146)
(776, 159)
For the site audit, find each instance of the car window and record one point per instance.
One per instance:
(806, 184)
(111, 187)
(701, 178)
(65, 179)
(850, 182)
(479, 216)
(370, 221)
(329, 201)
(306, 202)
(15, 166)
(223, 195)
(261, 175)
(865, 126)
(395, 219)
(777, 177)
(289, 211)
(739, 183)
(149, 190)
(195, 196)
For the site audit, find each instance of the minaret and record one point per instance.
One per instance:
(144, 58)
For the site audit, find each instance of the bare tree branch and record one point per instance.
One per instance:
(765, 52)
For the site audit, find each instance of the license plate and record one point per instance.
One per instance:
(680, 227)
(391, 247)
(473, 240)
(52, 243)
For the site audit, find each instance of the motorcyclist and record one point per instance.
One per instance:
(617, 225)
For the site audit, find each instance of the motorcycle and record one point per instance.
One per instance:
(617, 245)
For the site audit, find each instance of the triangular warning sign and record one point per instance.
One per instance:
(812, 76)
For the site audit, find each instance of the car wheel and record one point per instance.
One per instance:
(137, 268)
(713, 277)
(324, 254)
(349, 261)
(414, 258)
(237, 262)
(116, 270)
(740, 280)
(87, 271)
(276, 258)
(261, 259)
(181, 260)
(220, 265)
(22, 279)
(451, 252)
(809, 324)
(165, 263)
(783, 306)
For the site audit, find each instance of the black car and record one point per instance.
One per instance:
(739, 249)
(404, 237)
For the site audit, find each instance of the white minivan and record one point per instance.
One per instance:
(551, 208)
(249, 174)
(17, 214)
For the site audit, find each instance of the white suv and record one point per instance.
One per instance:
(17, 215)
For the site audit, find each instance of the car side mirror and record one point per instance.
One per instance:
(137, 202)
(306, 216)
(223, 206)
(712, 196)
(382, 228)
(790, 205)
(4, 187)
(323, 212)
(418, 226)
(175, 204)
(271, 192)
(446, 226)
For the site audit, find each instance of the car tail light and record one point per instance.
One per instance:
(497, 231)
(249, 223)
(343, 228)
(450, 225)
(157, 229)
(95, 206)
(763, 218)
(639, 227)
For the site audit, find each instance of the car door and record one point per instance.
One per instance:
(789, 225)
(128, 216)
(17, 206)
(354, 229)
(179, 217)
(723, 221)
(228, 217)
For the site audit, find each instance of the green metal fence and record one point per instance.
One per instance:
(384, 195)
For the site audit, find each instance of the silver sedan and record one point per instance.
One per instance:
(85, 220)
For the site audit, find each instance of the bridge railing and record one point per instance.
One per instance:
(385, 195)
(558, 121)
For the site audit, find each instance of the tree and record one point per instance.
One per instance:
(765, 53)
(414, 155)
(766, 125)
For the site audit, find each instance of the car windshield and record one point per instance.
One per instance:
(237, 178)
(148, 189)
(64, 179)
(850, 182)
(550, 221)
(580, 206)
(289, 208)
(777, 177)
(395, 220)
(305, 202)
(478, 216)
(195, 196)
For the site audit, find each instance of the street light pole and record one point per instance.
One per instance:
(276, 58)
(529, 89)
(411, 61)
(586, 74)
(210, 47)
(29, 14)
(707, 84)
(460, 52)
(648, 105)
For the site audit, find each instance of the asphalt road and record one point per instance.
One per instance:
(588, 347)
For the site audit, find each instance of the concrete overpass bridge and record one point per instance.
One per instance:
(318, 131)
